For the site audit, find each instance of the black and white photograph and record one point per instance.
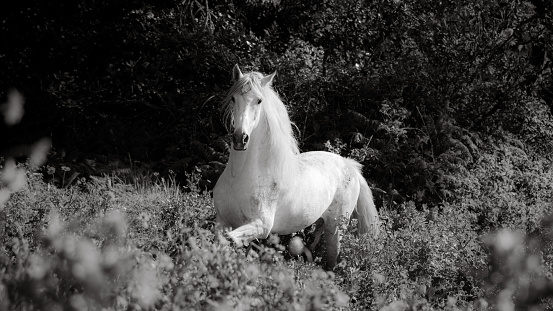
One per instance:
(243, 155)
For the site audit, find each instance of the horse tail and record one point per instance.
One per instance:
(367, 216)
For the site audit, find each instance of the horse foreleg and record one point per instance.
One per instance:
(256, 229)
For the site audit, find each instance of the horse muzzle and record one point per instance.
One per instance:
(240, 141)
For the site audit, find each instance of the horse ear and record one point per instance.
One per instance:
(268, 79)
(236, 73)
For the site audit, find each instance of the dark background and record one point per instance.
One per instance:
(415, 90)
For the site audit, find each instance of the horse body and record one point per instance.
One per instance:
(268, 186)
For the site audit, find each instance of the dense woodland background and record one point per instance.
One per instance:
(447, 104)
(418, 91)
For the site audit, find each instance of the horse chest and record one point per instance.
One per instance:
(245, 199)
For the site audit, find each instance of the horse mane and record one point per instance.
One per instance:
(283, 143)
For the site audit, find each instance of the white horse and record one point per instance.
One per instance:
(268, 186)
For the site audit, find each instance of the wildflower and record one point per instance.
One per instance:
(51, 170)
(144, 218)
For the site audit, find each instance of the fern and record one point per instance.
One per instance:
(363, 122)
(206, 153)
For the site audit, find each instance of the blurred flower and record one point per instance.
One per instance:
(504, 301)
(13, 109)
(87, 266)
(146, 286)
(507, 240)
(252, 271)
(39, 151)
(122, 303)
(19, 181)
(37, 267)
(69, 245)
(78, 302)
(165, 262)
(342, 300)
(213, 281)
(115, 226)
(481, 304)
(4, 197)
(399, 305)
(13, 176)
(54, 224)
(111, 256)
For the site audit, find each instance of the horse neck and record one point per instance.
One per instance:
(261, 159)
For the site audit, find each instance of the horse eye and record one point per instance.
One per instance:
(232, 99)
(259, 101)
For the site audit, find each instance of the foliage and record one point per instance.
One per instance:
(151, 245)
(426, 258)
(423, 81)
(507, 188)
(129, 247)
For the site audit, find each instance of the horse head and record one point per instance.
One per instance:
(246, 101)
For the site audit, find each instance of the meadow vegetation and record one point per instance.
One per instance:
(105, 181)
(142, 242)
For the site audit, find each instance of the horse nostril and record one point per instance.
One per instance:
(246, 138)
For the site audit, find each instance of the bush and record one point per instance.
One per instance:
(507, 187)
(426, 257)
